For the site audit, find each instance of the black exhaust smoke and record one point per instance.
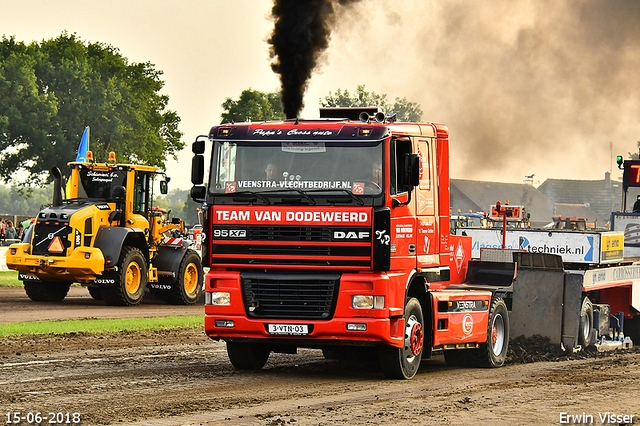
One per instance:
(301, 33)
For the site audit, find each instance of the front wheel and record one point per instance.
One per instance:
(131, 279)
(186, 289)
(247, 356)
(493, 352)
(403, 363)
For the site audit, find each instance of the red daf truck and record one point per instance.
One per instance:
(334, 234)
(346, 244)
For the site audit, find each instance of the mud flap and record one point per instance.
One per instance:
(571, 311)
(109, 241)
(168, 262)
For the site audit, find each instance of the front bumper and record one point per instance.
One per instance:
(388, 331)
(347, 325)
(83, 265)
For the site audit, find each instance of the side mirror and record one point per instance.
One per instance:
(198, 146)
(164, 187)
(197, 169)
(410, 171)
(198, 193)
(118, 193)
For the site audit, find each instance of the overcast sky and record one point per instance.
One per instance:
(526, 86)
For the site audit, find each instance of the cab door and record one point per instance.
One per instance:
(426, 195)
(403, 214)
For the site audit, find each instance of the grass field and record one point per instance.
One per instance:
(101, 325)
(9, 279)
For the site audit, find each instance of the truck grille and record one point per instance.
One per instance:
(289, 233)
(285, 296)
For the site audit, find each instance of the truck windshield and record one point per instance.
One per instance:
(99, 184)
(315, 168)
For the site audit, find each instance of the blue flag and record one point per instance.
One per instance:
(84, 146)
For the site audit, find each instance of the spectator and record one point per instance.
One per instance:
(19, 231)
(9, 231)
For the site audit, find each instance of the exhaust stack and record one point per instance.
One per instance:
(58, 187)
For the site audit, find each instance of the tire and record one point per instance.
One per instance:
(186, 289)
(95, 293)
(247, 356)
(403, 363)
(131, 279)
(46, 291)
(493, 352)
(585, 330)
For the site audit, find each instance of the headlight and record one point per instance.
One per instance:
(367, 302)
(217, 298)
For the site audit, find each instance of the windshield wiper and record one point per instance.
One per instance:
(86, 200)
(247, 193)
(299, 191)
(346, 191)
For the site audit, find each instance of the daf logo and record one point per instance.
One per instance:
(341, 235)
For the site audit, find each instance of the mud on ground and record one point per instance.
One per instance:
(181, 377)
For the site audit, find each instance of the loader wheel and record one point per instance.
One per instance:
(247, 356)
(46, 291)
(131, 279)
(187, 287)
(585, 331)
(95, 293)
(403, 363)
(493, 352)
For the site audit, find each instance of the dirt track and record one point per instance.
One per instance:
(182, 377)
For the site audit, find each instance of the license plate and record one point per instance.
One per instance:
(292, 329)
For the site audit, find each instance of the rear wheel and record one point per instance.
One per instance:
(186, 289)
(131, 279)
(247, 356)
(585, 332)
(403, 363)
(493, 352)
(46, 291)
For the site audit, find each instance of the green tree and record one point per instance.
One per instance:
(405, 110)
(252, 105)
(50, 91)
(15, 201)
(180, 204)
(635, 156)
